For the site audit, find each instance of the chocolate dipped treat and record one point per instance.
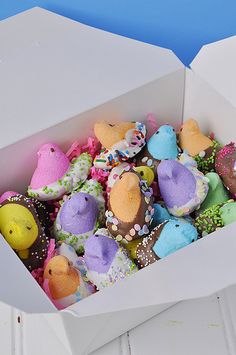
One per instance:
(130, 210)
(216, 217)
(55, 175)
(121, 142)
(77, 220)
(106, 261)
(183, 188)
(63, 282)
(24, 223)
(226, 166)
(162, 145)
(217, 193)
(164, 240)
(199, 146)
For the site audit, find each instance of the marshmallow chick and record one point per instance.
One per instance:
(226, 167)
(182, 188)
(146, 173)
(199, 146)
(63, 283)
(24, 223)
(215, 217)
(162, 145)
(164, 240)
(76, 220)
(217, 193)
(121, 141)
(106, 261)
(94, 188)
(55, 175)
(130, 210)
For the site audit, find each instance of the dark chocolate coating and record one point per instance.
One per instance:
(144, 158)
(127, 230)
(206, 164)
(226, 167)
(209, 220)
(145, 253)
(38, 251)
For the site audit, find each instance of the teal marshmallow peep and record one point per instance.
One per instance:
(163, 143)
(165, 239)
(175, 235)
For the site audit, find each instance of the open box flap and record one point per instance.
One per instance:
(18, 287)
(56, 68)
(215, 63)
(198, 270)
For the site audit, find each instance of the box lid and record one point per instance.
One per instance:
(18, 288)
(53, 68)
(215, 63)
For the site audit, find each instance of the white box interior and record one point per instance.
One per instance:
(58, 79)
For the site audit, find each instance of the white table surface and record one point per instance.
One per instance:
(197, 327)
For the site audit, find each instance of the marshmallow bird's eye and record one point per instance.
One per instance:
(52, 150)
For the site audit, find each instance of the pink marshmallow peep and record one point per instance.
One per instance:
(7, 194)
(52, 165)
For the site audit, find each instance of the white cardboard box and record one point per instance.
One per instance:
(57, 77)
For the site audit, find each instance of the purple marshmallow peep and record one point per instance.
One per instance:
(100, 251)
(106, 261)
(183, 189)
(76, 220)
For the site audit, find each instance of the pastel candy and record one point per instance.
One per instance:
(110, 134)
(191, 138)
(228, 212)
(161, 214)
(52, 165)
(24, 223)
(226, 166)
(106, 261)
(182, 189)
(164, 240)
(215, 217)
(63, 283)
(162, 145)
(122, 141)
(55, 175)
(217, 193)
(76, 220)
(130, 211)
(146, 173)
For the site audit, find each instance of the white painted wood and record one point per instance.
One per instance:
(191, 327)
(6, 329)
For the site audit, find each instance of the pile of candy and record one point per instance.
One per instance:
(124, 200)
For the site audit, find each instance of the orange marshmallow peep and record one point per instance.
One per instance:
(109, 134)
(192, 139)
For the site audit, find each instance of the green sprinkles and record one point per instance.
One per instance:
(210, 220)
(206, 165)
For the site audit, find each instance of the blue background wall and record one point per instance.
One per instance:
(182, 25)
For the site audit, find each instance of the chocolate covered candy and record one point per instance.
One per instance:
(77, 220)
(183, 188)
(55, 175)
(162, 145)
(130, 210)
(121, 141)
(106, 261)
(24, 223)
(199, 146)
(164, 240)
(226, 167)
(215, 217)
